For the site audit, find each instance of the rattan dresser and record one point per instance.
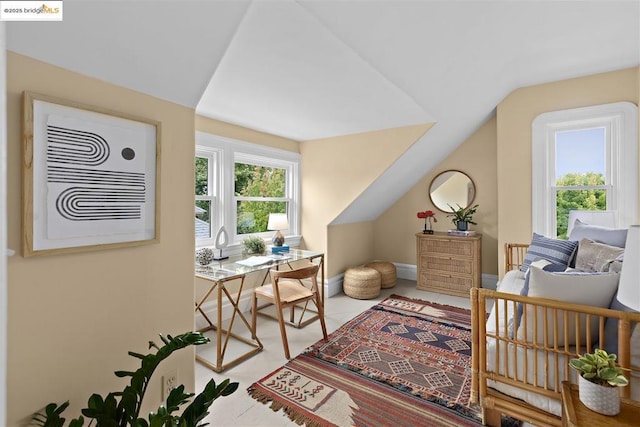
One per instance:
(449, 264)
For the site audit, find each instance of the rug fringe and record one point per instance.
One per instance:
(290, 411)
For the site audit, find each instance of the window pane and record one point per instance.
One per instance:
(567, 200)
(202, 176)
(580, 152)
(259, 181)
(253, 216)
(203, 219)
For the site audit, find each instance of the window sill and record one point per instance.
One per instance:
(236, 248)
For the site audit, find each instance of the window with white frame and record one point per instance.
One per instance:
(206, 190)
(254, 181)
(584, 159)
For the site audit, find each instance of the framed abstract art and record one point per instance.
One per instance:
(90, 177)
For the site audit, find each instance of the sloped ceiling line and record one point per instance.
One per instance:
(283, 60)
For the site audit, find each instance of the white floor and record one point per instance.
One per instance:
(239, 409)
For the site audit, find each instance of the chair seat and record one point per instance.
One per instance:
(289, 291)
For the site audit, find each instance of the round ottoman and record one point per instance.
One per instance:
(361, 282)
(387, 272)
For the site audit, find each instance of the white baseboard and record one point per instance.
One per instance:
(334, 285)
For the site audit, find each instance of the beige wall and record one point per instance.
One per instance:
(216, 127)
(395, 230)
(350, 244)
(335, 171)
(73, 317)
(515, 116)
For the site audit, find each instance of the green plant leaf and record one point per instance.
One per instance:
(120, 409)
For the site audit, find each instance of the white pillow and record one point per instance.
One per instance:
(594, 289)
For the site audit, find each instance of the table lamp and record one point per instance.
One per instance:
(278, 222)
(629, 286)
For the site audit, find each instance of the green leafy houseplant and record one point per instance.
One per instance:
(121, 409)
(462, 214)
(600, 368)
(254, 245)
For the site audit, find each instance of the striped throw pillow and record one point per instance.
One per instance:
(554, 250)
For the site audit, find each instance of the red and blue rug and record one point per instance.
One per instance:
(404, 362)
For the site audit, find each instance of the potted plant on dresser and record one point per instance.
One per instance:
(599, 380)
(462, 217)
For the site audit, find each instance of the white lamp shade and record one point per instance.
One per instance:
(629, 286)
(601, 218)
(278, 221)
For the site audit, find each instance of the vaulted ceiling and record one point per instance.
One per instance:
(312, 69)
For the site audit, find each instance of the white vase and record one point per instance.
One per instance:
(602, 399)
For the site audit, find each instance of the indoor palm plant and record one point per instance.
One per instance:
(121, 409)
(462, 217)
(599, 380)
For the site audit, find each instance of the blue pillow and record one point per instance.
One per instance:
(554, 250)
(609, 236)
(611, 326)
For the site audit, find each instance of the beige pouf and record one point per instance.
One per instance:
(361, 282)
(387, 273)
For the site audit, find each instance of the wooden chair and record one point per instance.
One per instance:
(286, 290)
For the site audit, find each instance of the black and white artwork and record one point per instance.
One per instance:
(94, 178)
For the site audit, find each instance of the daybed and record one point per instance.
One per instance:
(520, 357)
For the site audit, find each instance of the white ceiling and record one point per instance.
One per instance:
(313, 69)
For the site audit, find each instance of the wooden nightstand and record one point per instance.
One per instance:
(574, 413)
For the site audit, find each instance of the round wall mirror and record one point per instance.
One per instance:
(453, 188)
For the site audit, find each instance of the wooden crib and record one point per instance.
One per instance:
(520, 375)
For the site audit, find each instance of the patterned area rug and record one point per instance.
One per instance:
(404, 362)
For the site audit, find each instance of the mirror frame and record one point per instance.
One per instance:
(475, 190)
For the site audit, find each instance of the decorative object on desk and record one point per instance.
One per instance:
(204, 256)
(428, 216)
(222, 240)
(123, 408)
(599, 381)
(462, 217)
(253, 245)
(278, 222)
(90, 177)
(279, 249)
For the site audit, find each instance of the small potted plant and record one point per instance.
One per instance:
(462, 217)
(599, 380)
(254, 245)
(429, 218)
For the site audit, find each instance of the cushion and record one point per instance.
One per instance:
(554, 250)
(611, 326)
(594, 256)
(609, 236)
(594, 289)
(544, 264)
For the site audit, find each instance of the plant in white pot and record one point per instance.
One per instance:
(599, 380)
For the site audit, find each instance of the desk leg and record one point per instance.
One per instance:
(221, 347)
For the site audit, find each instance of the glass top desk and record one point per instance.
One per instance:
(219, 273)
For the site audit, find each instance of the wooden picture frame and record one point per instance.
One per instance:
(90, 177)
